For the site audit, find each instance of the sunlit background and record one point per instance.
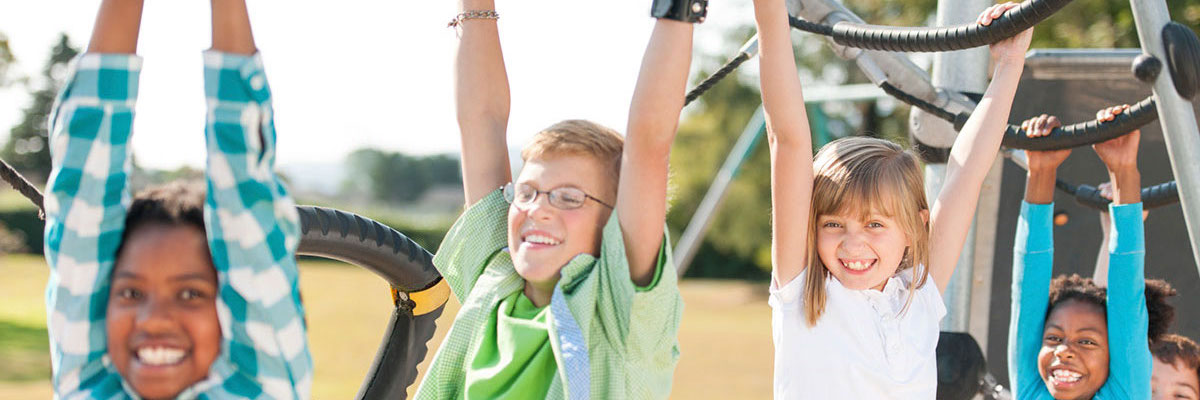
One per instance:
(365, 117)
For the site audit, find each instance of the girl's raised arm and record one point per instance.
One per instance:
(974, 152)
(86, 199)
(790, 140)
(482, 100)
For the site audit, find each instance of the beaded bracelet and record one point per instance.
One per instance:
(472, 14)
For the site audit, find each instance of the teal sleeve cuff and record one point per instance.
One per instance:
(1035, 229)
(105, 76)
(230, 77)
(1128, 233)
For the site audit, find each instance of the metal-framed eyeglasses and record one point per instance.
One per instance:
(563, 198)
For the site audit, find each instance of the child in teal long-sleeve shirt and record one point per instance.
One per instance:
(1061, 344)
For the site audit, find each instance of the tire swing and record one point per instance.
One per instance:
(418, 291)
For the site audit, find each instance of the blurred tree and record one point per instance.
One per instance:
(6, 60)
(396, 177)
(27, 149)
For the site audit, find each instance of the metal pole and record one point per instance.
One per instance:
(881, 66)
(1177, 117)
(962, 71)
(693, 235)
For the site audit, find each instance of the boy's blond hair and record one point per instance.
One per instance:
(580, 137)
(864, 175)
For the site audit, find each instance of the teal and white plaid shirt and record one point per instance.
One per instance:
(252, 227)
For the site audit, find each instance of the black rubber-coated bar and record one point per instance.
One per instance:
(1084, 133)
(708, 83)
(810, 27)
(358, 240)
(1152, 197)
(404, 346)
(1066, 137)
(922, 104)
(958, 37)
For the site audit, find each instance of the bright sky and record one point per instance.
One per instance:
(365, 73)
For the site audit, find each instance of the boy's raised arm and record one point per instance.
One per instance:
(482, 101)
(653, 118)
(974, 151)
(86, 198)
(251, 222)
(790, 140)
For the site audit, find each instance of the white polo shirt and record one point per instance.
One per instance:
(861, 347)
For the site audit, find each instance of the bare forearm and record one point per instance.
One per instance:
(116, 28)
(653, 119)
(231, 27)
(976, 146)
(783, 98)
(1039, 186)
(973, 153)
(482, 103)
(1127, 185)
(662, 81)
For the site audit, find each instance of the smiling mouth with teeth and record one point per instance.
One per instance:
(541, 239)
(858, 265)
(159, 356)
(1065, 377)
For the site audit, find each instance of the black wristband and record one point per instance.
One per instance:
(680, 10)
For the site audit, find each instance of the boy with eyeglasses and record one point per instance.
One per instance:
(564, 275)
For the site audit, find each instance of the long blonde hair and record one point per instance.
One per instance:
(865, 175)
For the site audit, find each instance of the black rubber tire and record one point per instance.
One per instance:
(405, 265)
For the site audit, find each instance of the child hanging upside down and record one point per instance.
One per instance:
(564, 273)
(1061, 344)
(171, 294)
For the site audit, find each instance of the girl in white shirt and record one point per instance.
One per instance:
(854, 317)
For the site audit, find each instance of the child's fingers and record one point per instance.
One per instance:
(982, 19)
(1001, 9)
(997, 11)
(1041, 124)
(985, 18)
(1025, 126)
(1052, 123)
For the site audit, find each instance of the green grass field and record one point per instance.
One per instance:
(725, 337)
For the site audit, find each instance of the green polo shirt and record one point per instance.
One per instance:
(629, 332)
(515, 359)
